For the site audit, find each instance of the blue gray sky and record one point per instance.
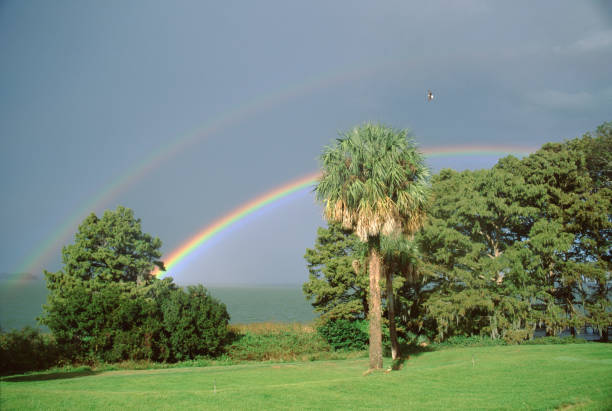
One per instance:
(92, 90)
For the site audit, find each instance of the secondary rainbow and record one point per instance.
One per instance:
(216, 227)
(35, 261)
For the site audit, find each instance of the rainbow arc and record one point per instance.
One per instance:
(211, 230)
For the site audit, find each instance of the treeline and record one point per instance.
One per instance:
(524, 244)
(105, 306)
(458, 257)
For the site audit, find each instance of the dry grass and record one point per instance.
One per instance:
(272, 328)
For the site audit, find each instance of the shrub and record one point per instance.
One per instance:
(275, 342)
(516, 336)
(345, 335)
(96, 321)
(470, 341)
(116, 321)
(27, 350)
(194, 324)
(554, 340)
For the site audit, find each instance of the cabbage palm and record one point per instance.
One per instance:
(399, 257)
(374, 182)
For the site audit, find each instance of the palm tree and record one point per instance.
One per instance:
(399, 257)
(374, 182)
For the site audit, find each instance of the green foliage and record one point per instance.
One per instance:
(111, 322)
(194, 323)
(550, 340)
(525, 243)
(100, 321)
(27, 350)
(111, 248)
(571, 261)
(345, 335)
(469, 341)
(474, 221)
(276, 343)
(335, 289)
(374, 182)
(104, 305)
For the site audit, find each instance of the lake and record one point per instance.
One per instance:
(21, 303)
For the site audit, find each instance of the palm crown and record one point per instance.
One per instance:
(374, 182)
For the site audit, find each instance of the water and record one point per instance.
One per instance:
(258, 304)
(21, 303)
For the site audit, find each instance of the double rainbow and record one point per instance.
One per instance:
(179, 144)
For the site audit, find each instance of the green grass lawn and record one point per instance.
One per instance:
(509, 377)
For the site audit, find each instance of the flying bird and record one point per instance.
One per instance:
(430, 95)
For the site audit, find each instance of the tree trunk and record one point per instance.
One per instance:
(395, 348)
(375, 314)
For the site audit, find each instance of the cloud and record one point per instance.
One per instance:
(573, 101)
(561, 100)
(600, 40)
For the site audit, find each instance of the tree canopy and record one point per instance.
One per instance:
(524, 244)
(336, 290)
(104, 304)
(112, 248)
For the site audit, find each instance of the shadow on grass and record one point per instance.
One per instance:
(51, 376)
(416, 350)
(407, 350)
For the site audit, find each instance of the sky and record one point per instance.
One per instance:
(185, 110)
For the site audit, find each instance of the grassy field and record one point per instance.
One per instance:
(510, 377)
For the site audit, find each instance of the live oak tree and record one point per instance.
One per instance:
(594, 216)
(374, 183)
(527, 242)
(575, 178)
(475, 218)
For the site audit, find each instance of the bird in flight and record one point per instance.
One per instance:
(430, 95)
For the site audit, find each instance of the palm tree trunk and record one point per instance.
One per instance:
(375, 308)
(395, 348)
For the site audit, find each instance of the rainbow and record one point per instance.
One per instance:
(215, 228)
(249, 109)
(234, 216)
(36, 259)
(476, 150)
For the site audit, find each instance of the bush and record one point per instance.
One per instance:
(194, 324)
(96, 321)
(554, 340)
(27, 350)
(345, 335)
(279, 342)
(516, 336)
(471, 341)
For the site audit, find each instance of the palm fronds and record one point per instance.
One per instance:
(374, 182)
